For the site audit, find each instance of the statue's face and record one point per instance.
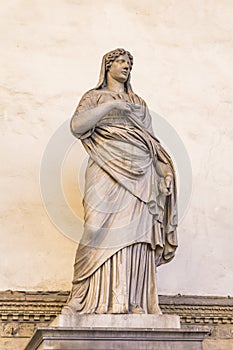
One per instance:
(120, 68)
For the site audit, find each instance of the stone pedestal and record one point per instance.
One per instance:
(115, 332)
(117, 321)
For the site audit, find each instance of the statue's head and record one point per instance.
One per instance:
(107, 61)
(112, 55)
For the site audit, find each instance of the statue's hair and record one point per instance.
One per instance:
(112, 55)
(107, 61)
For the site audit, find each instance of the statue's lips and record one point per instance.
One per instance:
(124, 72)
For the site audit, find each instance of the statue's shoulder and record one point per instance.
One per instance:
(89, 98)
(137, 99)
(89, 94)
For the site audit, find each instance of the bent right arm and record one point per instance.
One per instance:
(85, 120)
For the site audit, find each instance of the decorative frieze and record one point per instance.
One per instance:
(31, 307)
(43, 307)
(199, 310)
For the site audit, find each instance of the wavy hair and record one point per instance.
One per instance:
(112, 55)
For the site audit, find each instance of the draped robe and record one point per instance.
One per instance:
(129, 223)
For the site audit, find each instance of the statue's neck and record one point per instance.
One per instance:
(114, 85)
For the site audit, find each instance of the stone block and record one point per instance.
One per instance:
(115, 332)
(117, 321)
(218, 344)
(115, 339)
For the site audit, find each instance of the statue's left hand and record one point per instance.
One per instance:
(165, 185)
(168, 184)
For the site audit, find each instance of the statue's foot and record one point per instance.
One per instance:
(73, 307)
(136, 309)
(68, 310)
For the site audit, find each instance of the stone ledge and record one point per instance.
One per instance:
(196, 300)
(117, 338)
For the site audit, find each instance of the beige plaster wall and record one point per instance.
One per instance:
(51, 53)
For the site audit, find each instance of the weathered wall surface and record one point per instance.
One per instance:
(51, 54)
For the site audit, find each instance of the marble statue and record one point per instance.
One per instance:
(130, 200)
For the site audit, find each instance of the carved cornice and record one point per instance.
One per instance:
(199, 310)
(31, 306)
(41, 308)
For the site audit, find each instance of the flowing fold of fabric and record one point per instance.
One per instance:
(125, 283)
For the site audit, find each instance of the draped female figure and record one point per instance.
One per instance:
(130, 200)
